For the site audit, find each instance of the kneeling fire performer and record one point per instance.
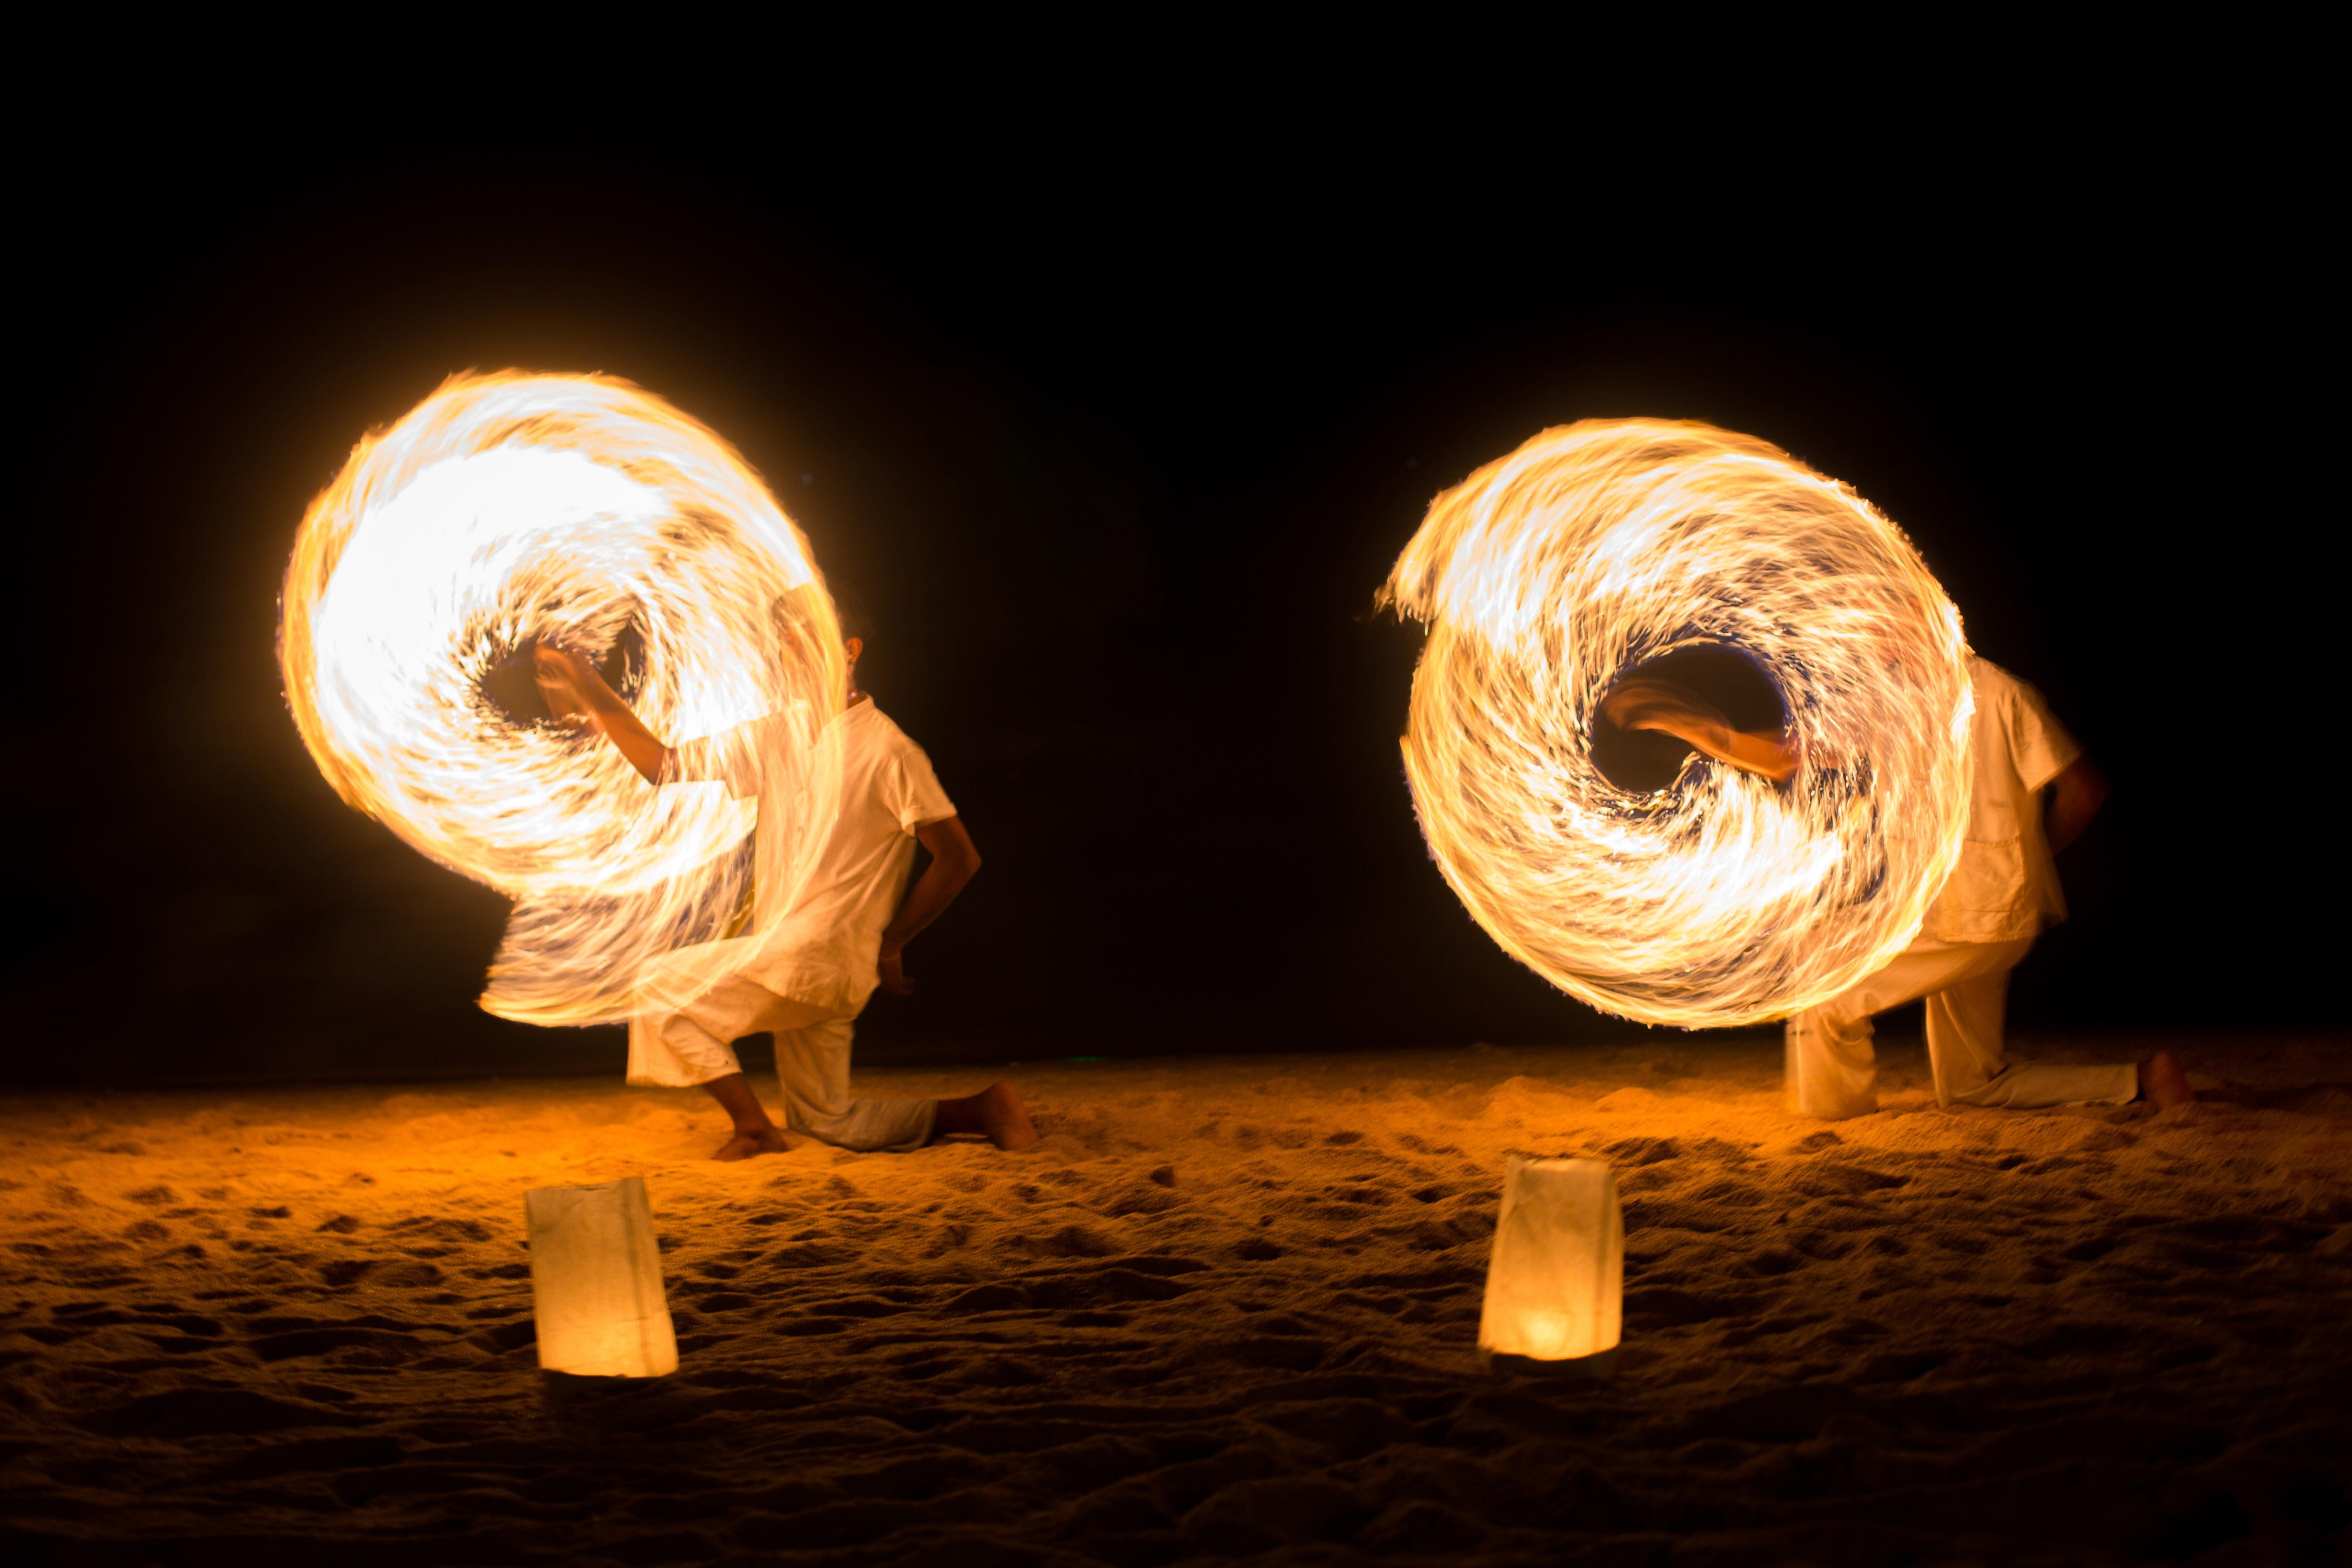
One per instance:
(849, 932)
(1999, 898)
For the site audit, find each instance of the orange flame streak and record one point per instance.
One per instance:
(509, 508)
(1550, 574)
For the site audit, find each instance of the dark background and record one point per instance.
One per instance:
(1117, 442)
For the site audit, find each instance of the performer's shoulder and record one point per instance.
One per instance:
(886, 732)
(2010, 701)
(1991, 678)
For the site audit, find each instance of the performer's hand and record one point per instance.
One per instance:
(563, 677)
(1647, 704)
(892, 963)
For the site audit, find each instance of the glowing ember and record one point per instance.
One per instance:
(1549, 576)
(510, 508)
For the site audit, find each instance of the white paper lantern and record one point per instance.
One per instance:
(1555, 1283)
(595, 1276)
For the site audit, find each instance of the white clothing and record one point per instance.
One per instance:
(809, 970)
(1832, 1072)
(2003, 890)
(672, 1050)
(2005, 886)
(820, 949)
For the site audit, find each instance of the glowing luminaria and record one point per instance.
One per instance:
(507, 508)
(1550, 574)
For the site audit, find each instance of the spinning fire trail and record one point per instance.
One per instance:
(1549, 576)
(510, 508)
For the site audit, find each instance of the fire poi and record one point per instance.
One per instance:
(507, 508)
(1550, 577)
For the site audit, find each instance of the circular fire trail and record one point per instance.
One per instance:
(1609, 548)
(511, 507)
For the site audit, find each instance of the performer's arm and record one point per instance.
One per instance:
(2075, 796)
(1657, 705)
(955, 858)
(575, 693)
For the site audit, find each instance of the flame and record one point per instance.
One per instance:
(1550, 574)
(512, 507)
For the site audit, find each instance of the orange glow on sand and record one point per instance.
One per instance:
(1550, 574)
(509, 508)
(312, 1306)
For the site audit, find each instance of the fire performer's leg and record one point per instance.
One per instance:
(996, 1111)
(813, 1065)
(675, 1041)
(1964, 1047)
(754, 1134)
(670, 1050)
(1833, 1070)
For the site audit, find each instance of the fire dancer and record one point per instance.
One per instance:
(1998, 898)
(847, 933)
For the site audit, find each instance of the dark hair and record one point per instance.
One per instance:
(849, 610)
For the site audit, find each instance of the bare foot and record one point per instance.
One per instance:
(754, 1134)
(996, 1113)
(1005, 1119)
(2165, 1082)
(743, 1145)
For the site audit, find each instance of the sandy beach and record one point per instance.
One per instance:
(1226, 1310)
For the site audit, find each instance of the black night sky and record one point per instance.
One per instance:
(1117, 449)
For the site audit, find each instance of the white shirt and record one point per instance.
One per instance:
(2005, 886)
(822, 949)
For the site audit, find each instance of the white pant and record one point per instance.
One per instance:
(674, 1046)
(1833, 1073)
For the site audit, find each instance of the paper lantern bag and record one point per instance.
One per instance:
(595, 1278)
(1556, 1284)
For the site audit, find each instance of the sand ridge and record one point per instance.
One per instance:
(1227, 1309)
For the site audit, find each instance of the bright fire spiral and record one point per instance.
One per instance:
(510, 507)
(1550, 575)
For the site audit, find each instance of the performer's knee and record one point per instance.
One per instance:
(669, 1050)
